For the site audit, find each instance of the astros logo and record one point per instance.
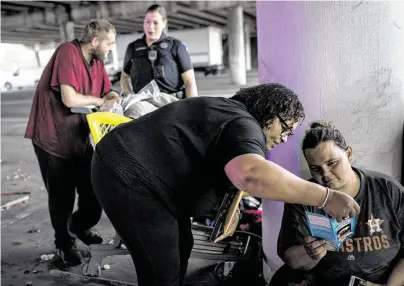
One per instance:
(374, 225)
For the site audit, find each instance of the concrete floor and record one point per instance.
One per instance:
(20, 248)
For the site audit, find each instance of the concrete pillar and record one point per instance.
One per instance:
(37, 48)
(345, 61)
(247, 40)
(236, 45)
(67, 31)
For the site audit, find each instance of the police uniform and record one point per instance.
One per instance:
(164, 61)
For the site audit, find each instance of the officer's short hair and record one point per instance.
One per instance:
(95, 28)
(158, 8)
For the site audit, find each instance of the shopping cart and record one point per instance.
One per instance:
(241, 246)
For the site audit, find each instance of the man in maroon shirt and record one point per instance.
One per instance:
(75, 76)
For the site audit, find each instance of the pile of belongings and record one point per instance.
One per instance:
(148, 99)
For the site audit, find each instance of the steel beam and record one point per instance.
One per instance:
(172, 20)
(179, 14)
(30, 4)
(216, 5)
(5, 34)
(193, 19)
(33, 39)
(14, 7)
(59, 14)
(202, 15)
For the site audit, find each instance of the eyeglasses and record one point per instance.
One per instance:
(286, 129)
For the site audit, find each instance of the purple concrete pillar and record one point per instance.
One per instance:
(344, 59)
(278, 51)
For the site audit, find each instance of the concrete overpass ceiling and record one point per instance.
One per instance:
(31, 22)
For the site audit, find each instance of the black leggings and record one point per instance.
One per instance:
(160, 245)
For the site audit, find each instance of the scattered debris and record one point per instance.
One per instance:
(47, 257)
(9, 204)
(87, 279)
(14, 193)
(19, 174)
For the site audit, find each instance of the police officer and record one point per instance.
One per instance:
(159, 57)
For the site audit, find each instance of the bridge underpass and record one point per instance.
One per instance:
(39, 22)
(44, 24)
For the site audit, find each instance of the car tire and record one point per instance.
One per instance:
(8, 86)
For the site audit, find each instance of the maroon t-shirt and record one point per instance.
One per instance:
(52, 126)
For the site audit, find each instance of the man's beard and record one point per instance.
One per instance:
(96, 54)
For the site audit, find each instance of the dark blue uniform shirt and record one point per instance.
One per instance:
(164, 61)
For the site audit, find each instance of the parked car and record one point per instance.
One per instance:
(20, 78)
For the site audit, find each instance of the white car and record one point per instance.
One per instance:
(20, 78)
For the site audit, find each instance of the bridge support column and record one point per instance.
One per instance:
(67, 31)
(247, 40)
(343, 72)
(236, 45)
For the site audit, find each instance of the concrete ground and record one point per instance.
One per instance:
(26, 233)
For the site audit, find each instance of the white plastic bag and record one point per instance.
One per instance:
(140, 108)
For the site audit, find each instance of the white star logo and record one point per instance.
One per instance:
(374, 225)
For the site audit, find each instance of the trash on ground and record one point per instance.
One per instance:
(47, 257)
(9, 204)
(14, 193)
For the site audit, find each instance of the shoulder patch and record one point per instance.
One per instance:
(164, 45)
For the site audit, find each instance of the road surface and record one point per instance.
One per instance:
(20, 248)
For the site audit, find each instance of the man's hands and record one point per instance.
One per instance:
(112, 95)
(315, 247)
(109, 100)
(340, 205)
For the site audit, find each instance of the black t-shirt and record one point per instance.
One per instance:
(183, 147)
(172, 60)
(378, 240)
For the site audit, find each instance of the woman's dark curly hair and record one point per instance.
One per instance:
(322, 131)
(265, 101)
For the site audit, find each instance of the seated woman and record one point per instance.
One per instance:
(375, 252)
